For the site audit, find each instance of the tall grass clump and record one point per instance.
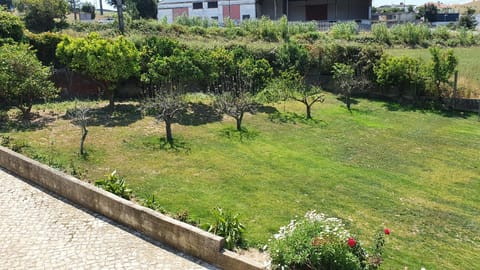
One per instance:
(381, 33)
(344, 30)
(411, 34)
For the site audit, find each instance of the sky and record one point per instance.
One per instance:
(377, 3)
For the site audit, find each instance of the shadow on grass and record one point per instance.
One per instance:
(267, 109)
(160, 143)
(433, 107)
(294, 118)
(34, 122)
(123, 115)
(199, 114)
(352, 100)
(232, 133)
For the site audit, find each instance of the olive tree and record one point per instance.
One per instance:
(292, 86)
(345, 80)
(23, 78)
(442, 66)
(170, 75)
(109, 61)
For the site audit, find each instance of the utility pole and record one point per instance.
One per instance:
(121, 26)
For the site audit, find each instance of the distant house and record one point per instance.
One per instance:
(295, 10)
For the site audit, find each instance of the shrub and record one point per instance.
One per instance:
(45, 45)
(115, 184)
(10, 26)
(320, 242)
(404, 74)
(227, 225)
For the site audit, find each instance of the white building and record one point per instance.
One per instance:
(295, 10)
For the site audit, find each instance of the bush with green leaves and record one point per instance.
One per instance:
(115, 184)
(43, 15)
(228, 226)
(45, 46)
(320, 242)
(152, 203)
(10, 26)
(403, 74)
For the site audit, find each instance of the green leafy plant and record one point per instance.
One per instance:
(228, 226)
(320, 242)
(115, 184)
(152, 203)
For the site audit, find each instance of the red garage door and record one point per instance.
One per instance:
(179, 12)
(232, 11)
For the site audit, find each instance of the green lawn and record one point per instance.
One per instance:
(416, 172)
(468, 66)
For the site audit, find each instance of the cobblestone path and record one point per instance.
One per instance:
(39, 230)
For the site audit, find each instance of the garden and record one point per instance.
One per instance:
(242, 130)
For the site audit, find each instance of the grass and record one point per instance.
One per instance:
(416, 172)
(468, 66)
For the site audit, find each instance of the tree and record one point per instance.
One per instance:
(345, 80)
(467, 19)
(109, 61)
(170, 76)
(89, 8)
(292, 85)
(23, 79)
(80, 116)
(10, 26)
(73, 6)
(442, 66)
(40, 15)
(138, 8)
(236, 104)
(430, 11)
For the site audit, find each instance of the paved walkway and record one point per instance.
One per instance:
(39, 230)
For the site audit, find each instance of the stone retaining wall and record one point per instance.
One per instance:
(181, 236)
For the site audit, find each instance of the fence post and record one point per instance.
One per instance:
(455, 81)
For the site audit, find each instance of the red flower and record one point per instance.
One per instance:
(386, 231)
(351, 242)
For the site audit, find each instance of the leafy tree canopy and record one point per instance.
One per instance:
(23, 78)
(41, 15)
(10, 26)
(107, 61)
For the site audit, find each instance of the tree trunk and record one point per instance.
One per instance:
(121, 26)
(82, 140)
(347, 101)
(168, 131)
(25, 111)
(309, 111)
(111, 103)
(239, 122)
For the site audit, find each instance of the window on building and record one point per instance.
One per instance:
(197, 5)
(213, 4)
(215, 18)
(245, 17)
